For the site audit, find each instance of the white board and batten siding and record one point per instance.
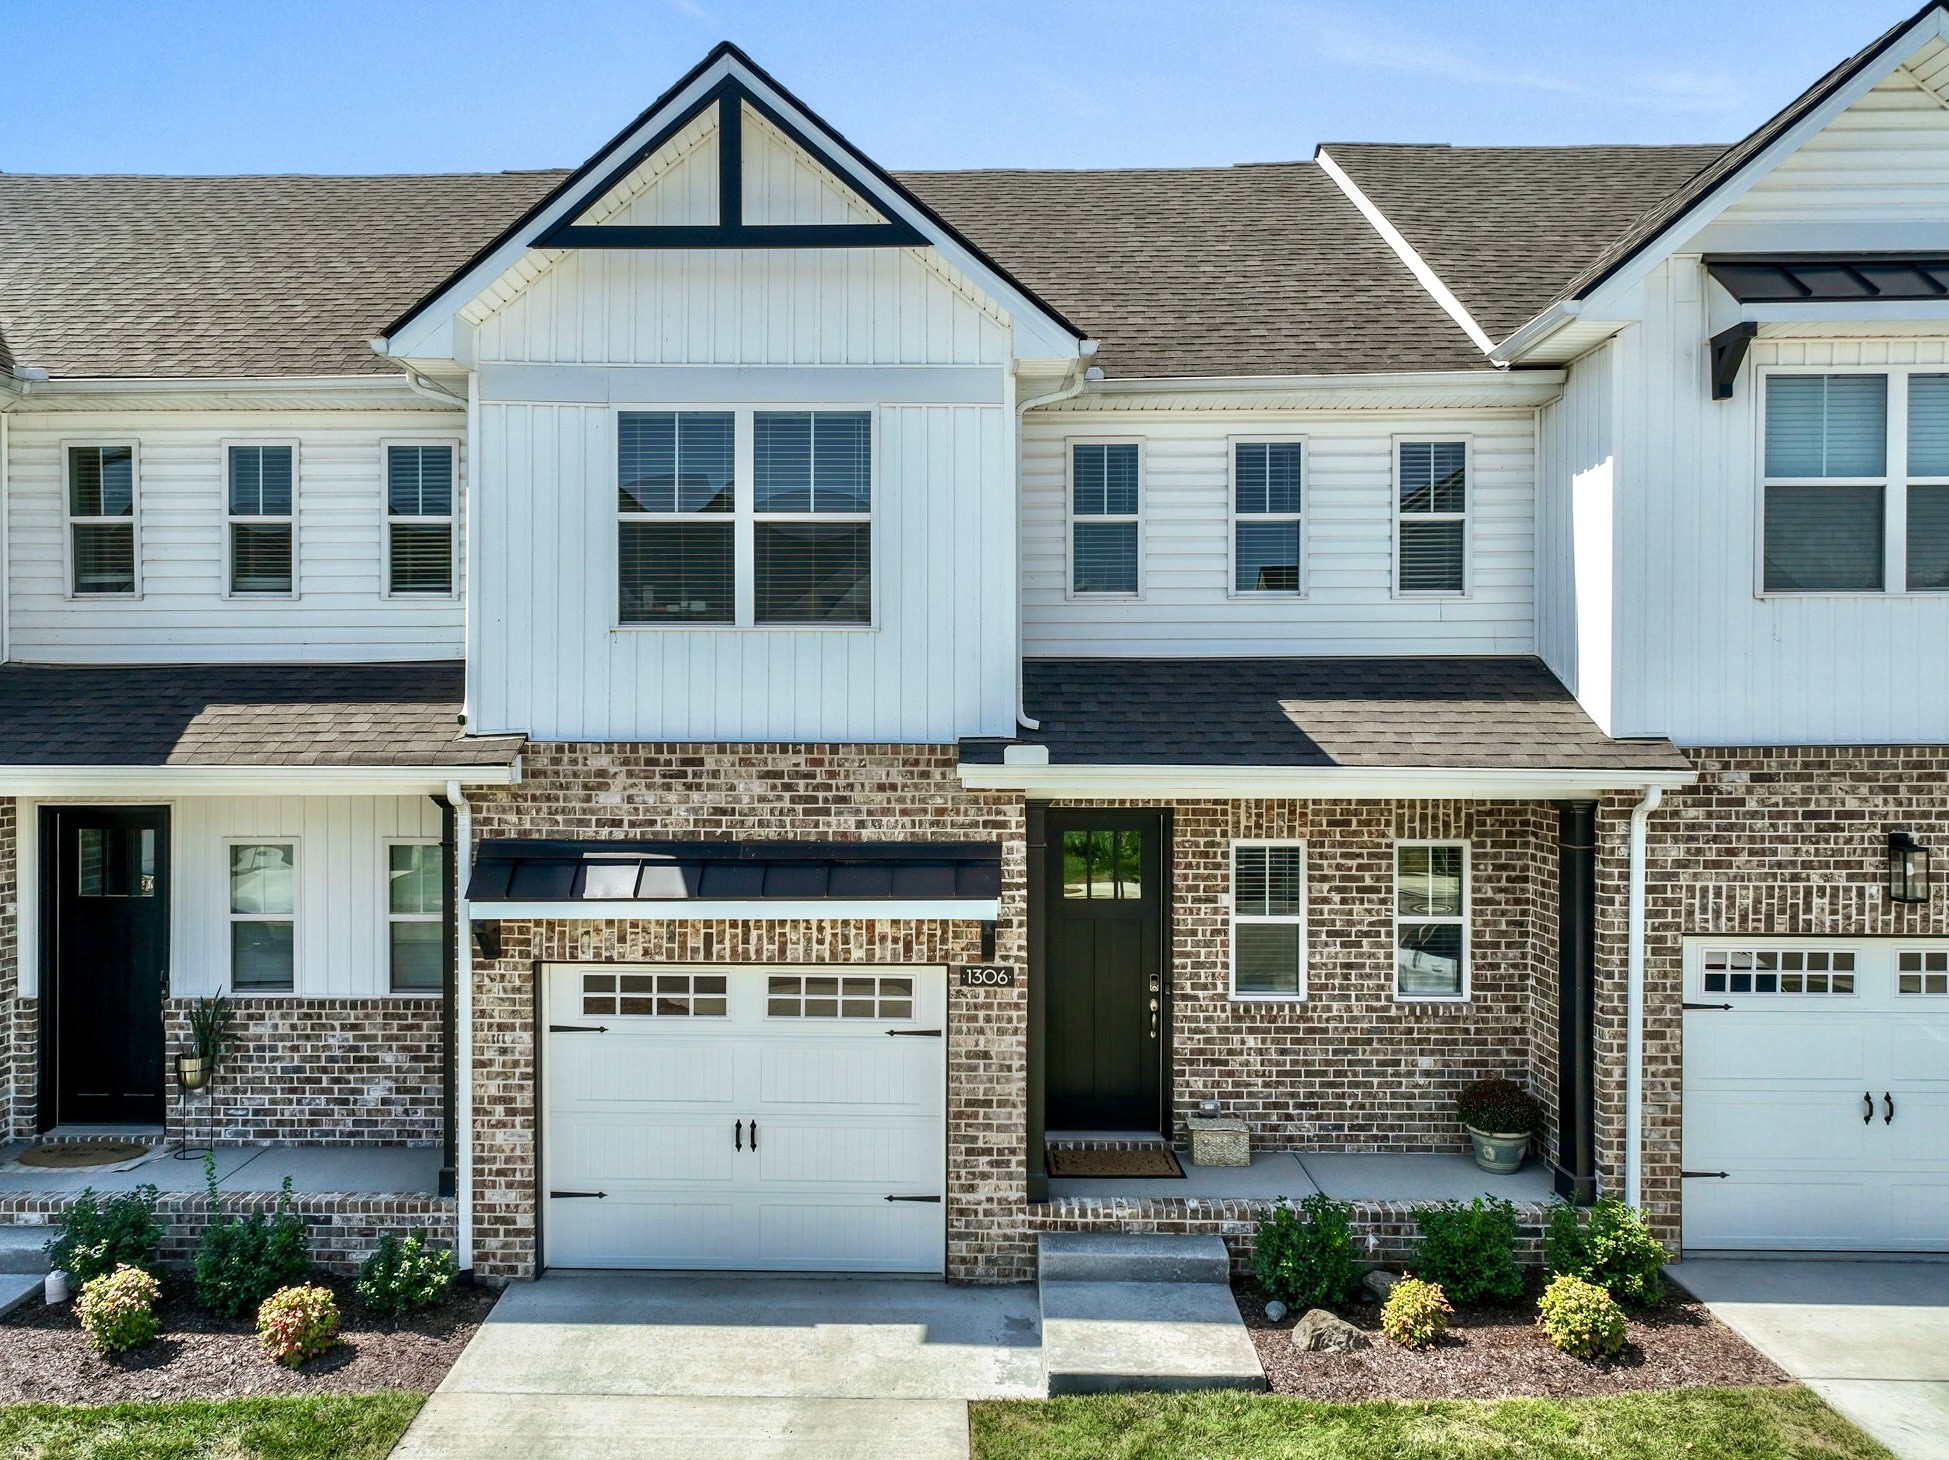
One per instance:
(1348, 604)
(183, 615)
(1576, 476)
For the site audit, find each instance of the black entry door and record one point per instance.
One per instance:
(1105, 1008)
(110, 912)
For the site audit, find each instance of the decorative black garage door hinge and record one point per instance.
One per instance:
(578, 1028)
(914, 1198)
(916, 1033)
(1705, 1006)
(563, 1195)
(1721, 1175)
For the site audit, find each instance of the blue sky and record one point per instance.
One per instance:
(203, 86)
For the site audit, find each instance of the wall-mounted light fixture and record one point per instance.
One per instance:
(1908, 869)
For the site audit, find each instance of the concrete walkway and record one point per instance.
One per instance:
(1869, 1337)
(674, 1367)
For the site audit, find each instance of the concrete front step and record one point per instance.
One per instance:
(1110, 1337)
(20, 1248)
(1131, 1257)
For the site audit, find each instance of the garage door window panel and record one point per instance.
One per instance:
(1922, 973)
(654, 995)
(1828, 971)
(838, 996)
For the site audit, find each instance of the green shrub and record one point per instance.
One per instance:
(1609, 1245)
(1305, 1258)
(402, 1276)
(118, 1310)
(293, 1324)
(99, 1236)
(1500, 1107)
(243, 1260)
(1470, 1250)
(1416, 1313)
(1581, 1319)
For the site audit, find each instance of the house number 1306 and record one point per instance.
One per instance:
(986, 976)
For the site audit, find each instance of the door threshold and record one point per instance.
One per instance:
(1059, 1136)
(76, 1131)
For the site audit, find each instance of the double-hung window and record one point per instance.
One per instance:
(415, 927)
(675, 500)
(812, 544)
(262, 494)
(101, 520)
(1431, 920)
(1268, 920)
(263, 916)
(419, 519)
(1266, 516)
(1431, 526)
(1856, 482)
(1103, 508)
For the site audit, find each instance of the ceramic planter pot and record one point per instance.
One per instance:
(1502, 1154)
(191, 1071)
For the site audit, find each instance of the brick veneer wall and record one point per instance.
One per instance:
(340, 1072)
(1773, 841)
(787, 792)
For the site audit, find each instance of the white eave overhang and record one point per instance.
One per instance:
(124, 782)
(255, 392)
(1354, 783)
(1369, 391)
(946, 909)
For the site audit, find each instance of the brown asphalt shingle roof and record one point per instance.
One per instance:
(1508, 228)
(241, 715)
(1452, 713)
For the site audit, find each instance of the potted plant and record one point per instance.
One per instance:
(1500, 1117)
(210, 1022)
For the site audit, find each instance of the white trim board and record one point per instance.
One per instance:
(1369, 783)
(944, 909)
(228, 780)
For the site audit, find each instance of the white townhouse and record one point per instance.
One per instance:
(730, 708)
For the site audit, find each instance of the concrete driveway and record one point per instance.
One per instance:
(1869, 1337)
(657, 1367)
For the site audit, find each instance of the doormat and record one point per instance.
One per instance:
(1152, 1161)
(78, 1155)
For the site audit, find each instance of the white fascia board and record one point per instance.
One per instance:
(232, 780)
(1471, 389)
(1405, 251)
(1372, 783)
(365, 391)
(946, 909)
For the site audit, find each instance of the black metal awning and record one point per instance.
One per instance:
(1831, 278)
(734, 879)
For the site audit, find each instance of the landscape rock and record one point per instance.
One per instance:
(1378, 1284)
(1275, 1311)
(1320, 1332)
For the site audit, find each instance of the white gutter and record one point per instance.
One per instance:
(942, 909)
(1634, 1001)
(1049, 782)
(1022, 409)
(463, 1030)
(1563, 313)
(1519, 386)
(1405, 251)
(266, 385)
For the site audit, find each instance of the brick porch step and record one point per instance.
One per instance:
(1121, 1257)
(20, 1248)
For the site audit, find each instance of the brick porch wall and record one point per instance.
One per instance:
(1773, 841)
(334, 1072)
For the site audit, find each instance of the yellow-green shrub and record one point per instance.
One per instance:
(1581, 1318)
(1415, 1313)
(293, 1324)
(118, 1309)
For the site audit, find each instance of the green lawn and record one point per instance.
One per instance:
(1691, 1424)
(327, 1427)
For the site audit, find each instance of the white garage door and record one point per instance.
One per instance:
(1817, 1080)
(764, 1118)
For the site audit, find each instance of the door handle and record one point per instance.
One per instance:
(1153, 1018)
(1889, 1102)
(1868, 1099)
(754, 1133)
(737, 1140)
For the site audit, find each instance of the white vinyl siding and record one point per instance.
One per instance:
(185, 613)
(1268, 920)
(1189, 607)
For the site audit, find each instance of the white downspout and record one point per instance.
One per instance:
(463, 1031)
(1022, 409)
(1634, 1002)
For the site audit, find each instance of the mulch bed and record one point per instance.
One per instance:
(1499, 1353)
(45, 1359)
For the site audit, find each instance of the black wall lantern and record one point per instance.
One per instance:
(1908, 869)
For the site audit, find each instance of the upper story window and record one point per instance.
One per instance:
(697, 547)
(1266, 524)
(1431, 531)
(262, 493)
(1431, 920)
(1856, 483)
(1103, 504)
(419, 519)
(101, 520)
(1269, 920)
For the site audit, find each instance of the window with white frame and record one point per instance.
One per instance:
(1266, 522)
(1104, 492)
(812, 504)
(101, 520)
(415, 923)
(263, 878)
(1855, 482)
(1431, 527)
(675, 497)
(1431, 920)
(1269, 920)
(419, 519)
(261, 492)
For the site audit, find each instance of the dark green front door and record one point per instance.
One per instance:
(110, 913)
(1105, 1012)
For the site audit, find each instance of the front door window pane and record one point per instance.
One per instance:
(1102, 865)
